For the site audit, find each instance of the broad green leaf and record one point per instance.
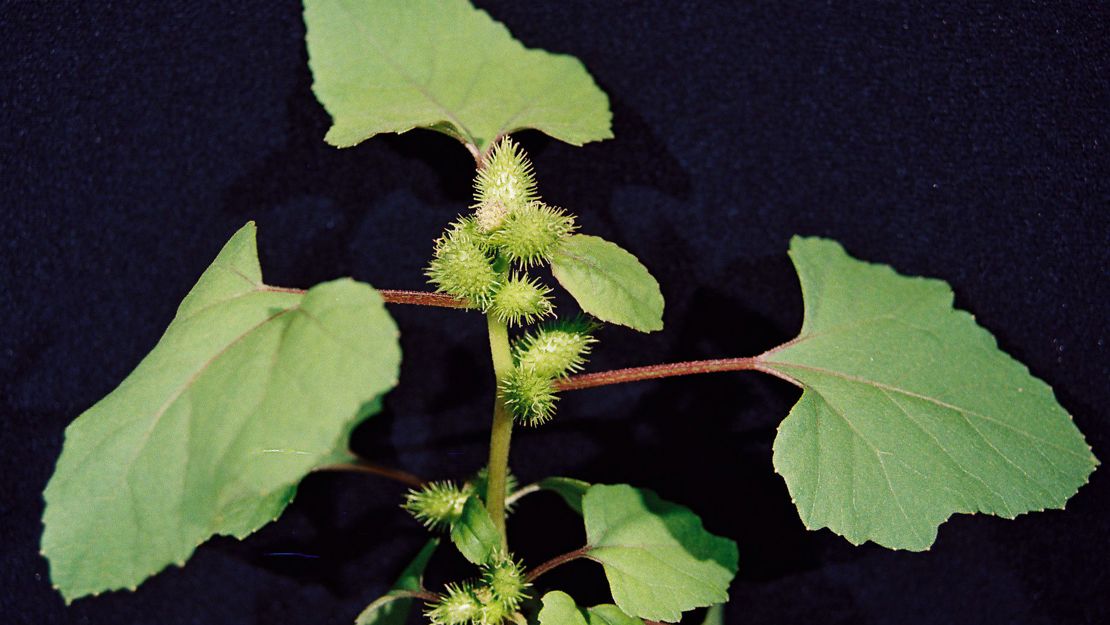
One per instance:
(658, 558)
(570, 489)
(560, 609)
(394, 65)
(393, 607)
(910, 411)
(249, 388)
(608, 282)
(474, 533)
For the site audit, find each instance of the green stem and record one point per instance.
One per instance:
(502, 430)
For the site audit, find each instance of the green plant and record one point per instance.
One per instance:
(909, 412)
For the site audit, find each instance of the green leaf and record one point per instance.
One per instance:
(608, 282)
(248, 390)
(570, 489)
(475, 534)
(910, 411)
(393, 607)
(560, 609)
(394, 65)
(658, 558)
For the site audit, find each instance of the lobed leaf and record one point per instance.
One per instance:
(609, 282)
(394, 65)
(248, 390)
(910, 411)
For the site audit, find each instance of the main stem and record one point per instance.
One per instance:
(502, 430)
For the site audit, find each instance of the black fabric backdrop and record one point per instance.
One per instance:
(968, 144)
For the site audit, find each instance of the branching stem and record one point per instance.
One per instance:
(554, 562)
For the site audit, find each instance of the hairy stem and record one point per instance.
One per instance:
(668, 370)
(393, 296)
(423, 298)
(554, 562)
(365, 466)
(502, 430)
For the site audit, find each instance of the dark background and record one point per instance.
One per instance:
(965, 144)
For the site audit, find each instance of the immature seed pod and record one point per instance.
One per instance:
(437, 505)
(519, 300)
(529, 235)
(505, 184)
(530, 396)
(492, 611)
(458, 605)
(462, 267)
(554, 350)
(505, 579)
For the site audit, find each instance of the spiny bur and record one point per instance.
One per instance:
(505, 185)
(437, 505)
(531, 397)
(462, 267)
(458, 605)
(505, 579)
(530, 235)
(519, 300)
(555, 350)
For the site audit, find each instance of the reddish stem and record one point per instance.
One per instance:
(668, 370)
(554, 562)
(365, 466)
(423, 298)
(418, 298)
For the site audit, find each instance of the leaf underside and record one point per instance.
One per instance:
(910, 412)
(394, 65)
(608, 282)
(658, 558)
(247, 391)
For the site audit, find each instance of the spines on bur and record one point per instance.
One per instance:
(530, 235)
(519, 300)
(505, 185)
(438, 505)
(462, 265)
(556, 349)
(531, 397)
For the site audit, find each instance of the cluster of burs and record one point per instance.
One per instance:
(484, 259)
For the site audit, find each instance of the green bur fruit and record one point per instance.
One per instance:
(520, 300)
(530, 396)
(504, 186)
(556, 350)
(437, 505)
(505, 580)
(461, 266)
(486, 602)
(529, 235)
(459, 605)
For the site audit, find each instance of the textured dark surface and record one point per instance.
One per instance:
(966, 144)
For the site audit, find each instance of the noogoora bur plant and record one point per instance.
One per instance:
(909, 412)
